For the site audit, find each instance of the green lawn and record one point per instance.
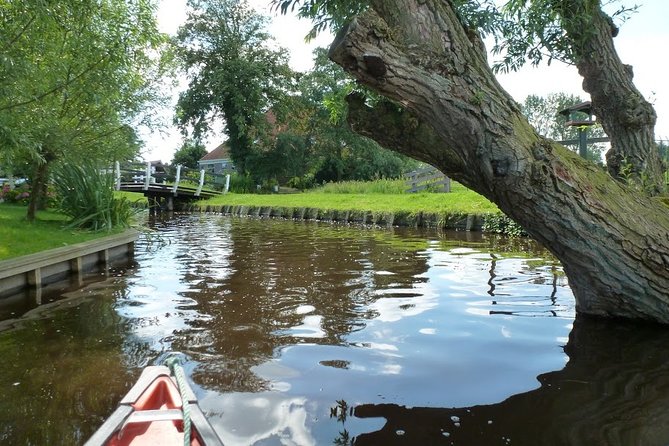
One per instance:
(18, 237)
(132, 196)
(460, 201)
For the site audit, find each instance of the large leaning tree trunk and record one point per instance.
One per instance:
(626, 116)
(448, 110)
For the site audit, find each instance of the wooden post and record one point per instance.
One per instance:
(76, 267)
(227, 184)
(583, 142)
(103, 256)
(147, 175)
(199, 187)
(118, 175)
(176, 180)
(35, 278)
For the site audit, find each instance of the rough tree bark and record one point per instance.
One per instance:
(624, 113)
(40, 180)
(449, 110)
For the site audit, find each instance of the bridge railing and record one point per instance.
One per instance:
(177, 177)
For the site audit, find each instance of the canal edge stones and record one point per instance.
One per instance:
(434, 220)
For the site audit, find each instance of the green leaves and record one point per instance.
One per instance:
(235, 75)
(76, 77)
(86, 195)
(189, 154)
(325, 14)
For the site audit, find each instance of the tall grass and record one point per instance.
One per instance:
(86, 196)
(363, 187)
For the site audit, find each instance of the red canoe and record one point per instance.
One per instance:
(152, 414)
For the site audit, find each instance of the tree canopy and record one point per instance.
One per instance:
(190, 152)
(76, 79)
(235, 74)
(282, 125)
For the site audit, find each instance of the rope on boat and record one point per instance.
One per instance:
(175, 367)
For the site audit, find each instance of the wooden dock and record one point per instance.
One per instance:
(36, 270)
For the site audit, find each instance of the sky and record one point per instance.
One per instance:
(642, 43)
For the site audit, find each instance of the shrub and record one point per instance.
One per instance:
(18, 195)
(86, 195)
(306, 181)
(501, 224)
(242, 184)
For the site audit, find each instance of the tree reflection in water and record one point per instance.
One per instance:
(614, 391)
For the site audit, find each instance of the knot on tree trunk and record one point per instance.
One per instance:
(374, 65)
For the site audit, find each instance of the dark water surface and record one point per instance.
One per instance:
(310, 334)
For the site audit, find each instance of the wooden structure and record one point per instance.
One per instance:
(575, 118)
(427, 177)
(162, 189)
(36, 270)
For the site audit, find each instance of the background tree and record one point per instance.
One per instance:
(235, 76)
(544, 115)
(339, 153)
(190, 152)
(576, 32)
(445, 107)
(579, 32)
(75, 79)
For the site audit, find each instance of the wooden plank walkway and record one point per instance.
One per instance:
(167, 190)
(145, 180)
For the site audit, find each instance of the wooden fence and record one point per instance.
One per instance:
(427, 177)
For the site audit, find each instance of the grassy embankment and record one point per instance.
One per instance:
(18, 237)
(375, 196)
(379, 196)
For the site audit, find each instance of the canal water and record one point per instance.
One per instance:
(302, 333)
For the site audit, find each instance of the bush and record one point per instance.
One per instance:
(304, 182)
(21, 195)
(86, 195)
(501, 224)
(18, 195)
(242, 184)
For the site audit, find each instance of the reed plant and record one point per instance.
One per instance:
(86, 195)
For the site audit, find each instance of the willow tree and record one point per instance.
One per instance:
(75, 79)
(445, 107)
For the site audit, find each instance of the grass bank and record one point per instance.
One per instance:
(460, 201)
(134, 197)
(18, 237)
(375, 203)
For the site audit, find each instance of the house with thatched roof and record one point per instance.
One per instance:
(218, 160)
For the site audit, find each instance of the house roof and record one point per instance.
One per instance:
(221, 152)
